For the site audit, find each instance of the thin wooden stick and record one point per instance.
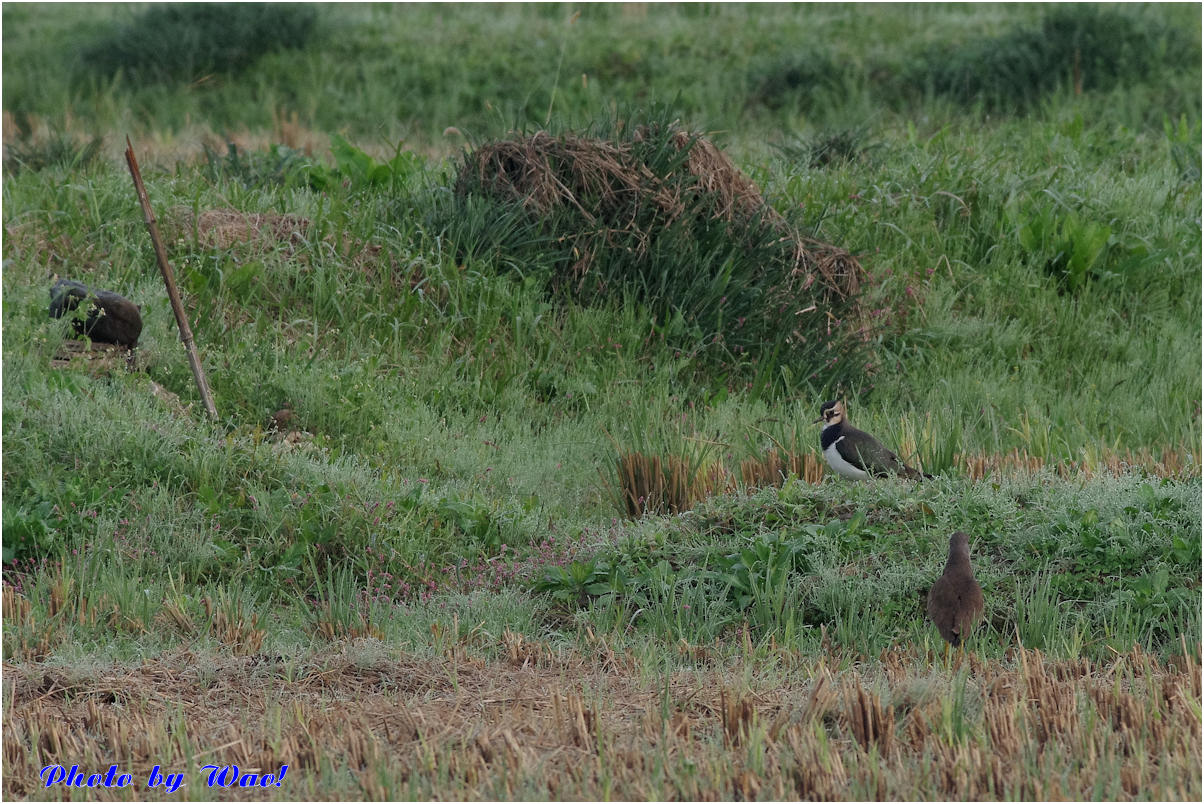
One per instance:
(198, 372)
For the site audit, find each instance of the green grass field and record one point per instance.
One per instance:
(426, 584)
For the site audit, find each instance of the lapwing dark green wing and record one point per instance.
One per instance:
(853, 453)
(955, 601)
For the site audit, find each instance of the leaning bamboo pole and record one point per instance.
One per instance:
(177, 307)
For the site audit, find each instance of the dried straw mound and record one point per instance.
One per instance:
(610, 186)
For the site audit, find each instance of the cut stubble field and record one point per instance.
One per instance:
(364, 721)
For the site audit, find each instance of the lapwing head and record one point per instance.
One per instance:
(831, 413)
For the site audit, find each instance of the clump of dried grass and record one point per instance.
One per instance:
(666, 484)
(230, 625)
(661, 216)
(95, 358)
(672, 484)
(774, 467)
(609, 183)
(871, 722)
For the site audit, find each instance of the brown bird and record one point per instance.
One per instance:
(955, 600)
(280, 420)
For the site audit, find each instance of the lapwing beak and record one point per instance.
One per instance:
(817, 421)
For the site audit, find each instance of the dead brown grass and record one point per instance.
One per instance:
(772, 468)
(1166, 462)
(368, 722)
(671, 485)
(170, 147)
(223, 228)
(656, 484)
(31, 241)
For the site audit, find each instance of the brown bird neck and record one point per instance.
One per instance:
(959, 558)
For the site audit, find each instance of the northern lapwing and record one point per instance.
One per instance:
(955, 600)
(854, 454)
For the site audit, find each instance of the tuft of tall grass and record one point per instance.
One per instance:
(648, 484)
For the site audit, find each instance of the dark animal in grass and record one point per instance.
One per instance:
(855, 454)
(110, 318)
(281, 419)
(955, 600)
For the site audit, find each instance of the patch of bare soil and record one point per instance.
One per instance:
(370, 722)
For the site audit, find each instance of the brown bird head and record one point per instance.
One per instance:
(831, 413)
(281, 419)
(959, 550)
